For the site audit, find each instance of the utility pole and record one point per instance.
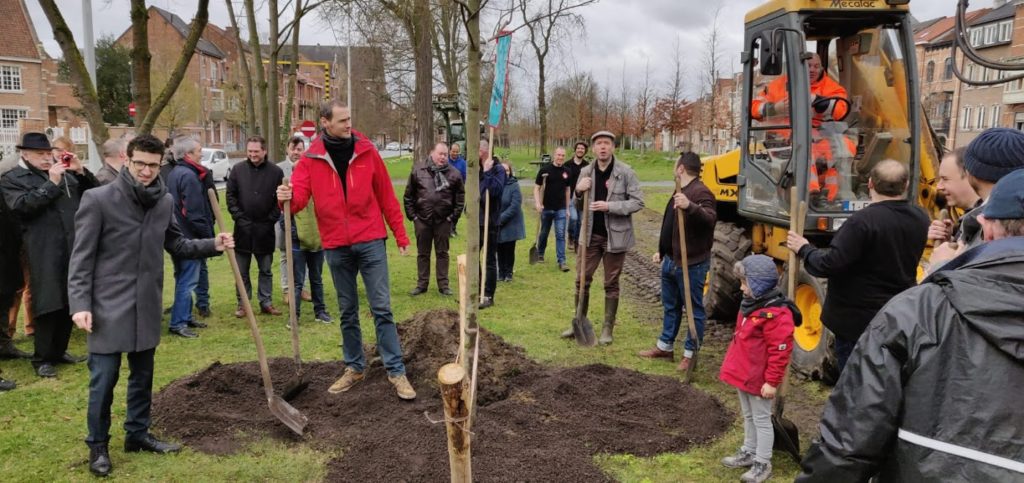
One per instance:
(90, 65)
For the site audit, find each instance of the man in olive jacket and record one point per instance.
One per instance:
(115, 286)
(615, 196)
(434, 199)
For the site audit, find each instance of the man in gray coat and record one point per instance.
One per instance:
(615, 197)
(115, 286)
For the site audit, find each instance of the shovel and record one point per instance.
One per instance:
(787, 437)
(298, 383)
(534, 254)
(691, 325)
(291, 417)
(483, 253)
(582, 329)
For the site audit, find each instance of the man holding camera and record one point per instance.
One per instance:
(44, 195)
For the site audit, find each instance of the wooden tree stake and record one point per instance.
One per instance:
(454, 386)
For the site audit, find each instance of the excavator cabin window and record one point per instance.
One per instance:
(854, 103)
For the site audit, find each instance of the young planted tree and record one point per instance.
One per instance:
(260, 88)
(710, 60)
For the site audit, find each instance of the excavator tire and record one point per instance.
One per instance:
(722, 292)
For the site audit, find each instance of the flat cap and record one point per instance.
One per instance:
(602, 134)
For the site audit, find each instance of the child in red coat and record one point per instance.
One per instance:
(757, 359)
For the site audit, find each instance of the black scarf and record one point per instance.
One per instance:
(773, 298)
(340, 151)
(147, 196)
(440, 180)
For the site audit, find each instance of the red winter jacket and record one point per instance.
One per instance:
(345, 221)
(759, 351)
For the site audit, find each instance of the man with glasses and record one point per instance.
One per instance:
(43, 195)
(115, 287)
(192, 213)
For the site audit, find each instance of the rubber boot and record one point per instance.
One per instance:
(586, 302)
(611, 306)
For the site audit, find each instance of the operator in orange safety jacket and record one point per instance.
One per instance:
(772, 106)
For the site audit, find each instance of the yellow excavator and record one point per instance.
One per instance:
(867, 47)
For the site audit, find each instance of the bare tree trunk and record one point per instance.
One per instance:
(421, 25)
(273, 105)
(542, 104)
(293, 76)
(79, 73)
(187, 51)
(141, 58)
(257, 55)
(250, 104)
(473, 162)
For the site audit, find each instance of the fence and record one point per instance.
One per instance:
(9, 138)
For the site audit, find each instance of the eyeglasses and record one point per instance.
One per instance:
(140, 165)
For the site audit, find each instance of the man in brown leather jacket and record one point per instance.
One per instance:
(434, 198)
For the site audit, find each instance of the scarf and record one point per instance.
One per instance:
(331, 142)
(440, 180)
(773, 298)
(147, 196)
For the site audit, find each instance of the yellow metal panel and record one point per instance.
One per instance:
(772, 7)
(717, 168)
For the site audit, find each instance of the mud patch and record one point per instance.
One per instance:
(533, 423)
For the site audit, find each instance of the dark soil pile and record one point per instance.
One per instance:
(533, 423)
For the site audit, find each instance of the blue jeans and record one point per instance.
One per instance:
(574, 222)
(546, 217)
(371, 260)
(103, 373)
(203, 287)
(186, 278)
(312, 263)
(843, 349)
(672, 299)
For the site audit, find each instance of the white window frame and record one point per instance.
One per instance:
(997, 112)
(12, 113)
(11, 75)
(1005, 31)
(982, 119)
(965, 120)
(217, 99)
(990, 34)
(976, 36)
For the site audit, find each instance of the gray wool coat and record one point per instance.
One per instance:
(117, 266)
(624, 199)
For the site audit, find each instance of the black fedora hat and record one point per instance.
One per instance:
(35, 140)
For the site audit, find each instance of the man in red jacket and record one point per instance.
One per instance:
(346, 178)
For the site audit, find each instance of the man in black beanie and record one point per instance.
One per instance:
(993, 154)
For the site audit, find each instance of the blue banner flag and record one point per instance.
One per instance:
(500, 80)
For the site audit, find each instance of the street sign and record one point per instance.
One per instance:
(131, 109)
(307, 129)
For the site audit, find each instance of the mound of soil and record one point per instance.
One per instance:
(533, 423)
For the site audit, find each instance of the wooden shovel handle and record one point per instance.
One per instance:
(681, 223)
(268, 386)
(293, 318)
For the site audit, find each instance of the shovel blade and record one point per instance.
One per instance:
(287, 414)
(583, 332)
(787, 437)
(295, 387)
(534, 255)
(690, 369)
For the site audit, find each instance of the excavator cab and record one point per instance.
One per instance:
(831, 93)
(830, 89)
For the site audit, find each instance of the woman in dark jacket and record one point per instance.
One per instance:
(511, 225)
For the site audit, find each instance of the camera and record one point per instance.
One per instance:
(66, 158)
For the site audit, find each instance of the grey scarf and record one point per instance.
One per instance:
(440, 179)
(147, 195)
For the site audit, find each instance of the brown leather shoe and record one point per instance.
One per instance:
(306, 296)
(240, 313)
(684, 364)
(270, 310)
(656, 353)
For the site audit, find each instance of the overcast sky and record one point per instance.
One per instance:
(618, 32)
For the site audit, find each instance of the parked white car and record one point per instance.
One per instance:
(393, 146)
(217, 161)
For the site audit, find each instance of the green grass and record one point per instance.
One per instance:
(649, 166)
(42, 423)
